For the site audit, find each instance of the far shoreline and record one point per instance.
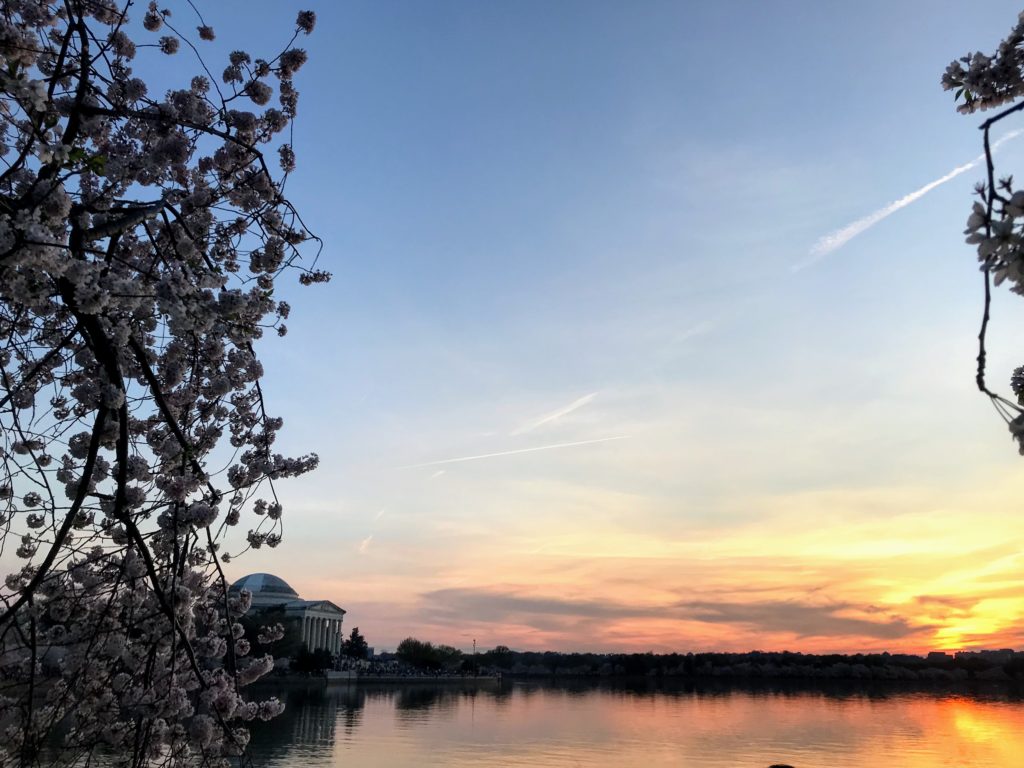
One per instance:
(833, 688)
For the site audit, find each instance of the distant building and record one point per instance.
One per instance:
(320, 620)
(939, 656)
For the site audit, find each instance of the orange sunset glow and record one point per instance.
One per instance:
(883, 570)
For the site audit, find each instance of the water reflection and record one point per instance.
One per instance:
(311, 721)
(643, 724)
(409, 701)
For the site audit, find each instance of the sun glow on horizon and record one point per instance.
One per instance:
(906, 578)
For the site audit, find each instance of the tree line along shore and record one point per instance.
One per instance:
(995, 665)
(418, 657)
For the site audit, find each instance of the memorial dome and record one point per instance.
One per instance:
(266, 588)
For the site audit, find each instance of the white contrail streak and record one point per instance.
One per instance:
(510, 453)
(840, 237)
(554, 415)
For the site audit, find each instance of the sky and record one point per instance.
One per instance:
(652, 327)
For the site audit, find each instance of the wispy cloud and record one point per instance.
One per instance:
(678, 342)
(701, 328)
(554, 415)
(840, 237)
(364, 545)
(511, 453)
(437, 474)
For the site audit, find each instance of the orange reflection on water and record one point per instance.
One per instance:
(643, 727)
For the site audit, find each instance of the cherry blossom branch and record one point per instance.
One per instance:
(986, 267)
(83, 486)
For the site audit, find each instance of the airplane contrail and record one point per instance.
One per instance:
(554, 415)
(510, 453)
(840, 237)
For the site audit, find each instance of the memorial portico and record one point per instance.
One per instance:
(321, 623)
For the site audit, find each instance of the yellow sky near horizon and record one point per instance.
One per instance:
(908, 569)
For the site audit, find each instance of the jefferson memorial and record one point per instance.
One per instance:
(320, 619)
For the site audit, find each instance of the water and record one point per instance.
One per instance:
(606, 726)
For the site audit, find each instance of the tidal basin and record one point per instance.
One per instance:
(644, 725)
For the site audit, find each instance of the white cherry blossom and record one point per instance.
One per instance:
(141, 237)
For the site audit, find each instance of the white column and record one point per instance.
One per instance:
(305, 629)
(337, 635)
(323, 632)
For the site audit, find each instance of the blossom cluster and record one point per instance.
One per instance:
(999, 237)
(141, 239)
(984, 81)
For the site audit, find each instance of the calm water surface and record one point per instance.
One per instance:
(525, 724)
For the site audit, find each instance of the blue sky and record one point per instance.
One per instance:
(532, 206)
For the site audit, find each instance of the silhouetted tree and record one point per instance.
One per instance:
(425, 655)
(356, 646)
